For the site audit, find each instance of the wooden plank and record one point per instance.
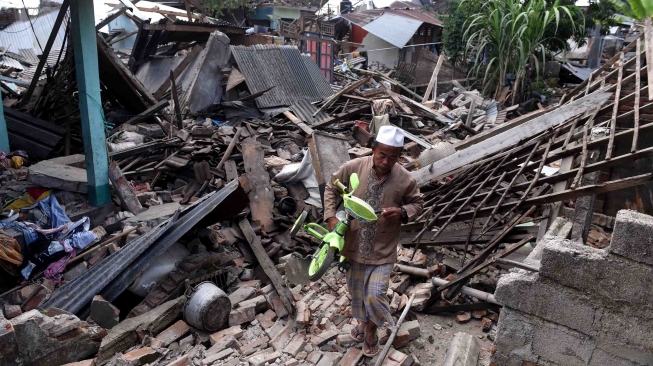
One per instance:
(470, 115)
(499, 129)
(509, 138)
(175, 99)
(193, 28)
(267, 264)
(189, 15)
(178, 70)
(124, 36)
(304, 127)
(147, 113)
(230, 148)
(648, 43)
(638, 66)
(434, 79)
(615, 110)
(342, 116)
(261, 196)
(235, 78)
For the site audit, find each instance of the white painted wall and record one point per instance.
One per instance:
(389, 57)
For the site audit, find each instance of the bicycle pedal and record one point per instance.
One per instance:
(344, 266)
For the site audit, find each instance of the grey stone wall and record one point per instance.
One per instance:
(586, 306)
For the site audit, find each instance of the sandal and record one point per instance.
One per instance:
(356, 334)
(366, 348)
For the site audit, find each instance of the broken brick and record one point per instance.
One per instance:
(174, 332)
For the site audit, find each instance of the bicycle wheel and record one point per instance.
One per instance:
(321, 261)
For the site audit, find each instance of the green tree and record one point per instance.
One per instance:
(218, 8)
(507, 36)
(601, 12)
(557, 34)
(636, 9)
(454, 26)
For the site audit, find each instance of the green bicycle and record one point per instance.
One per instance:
(302, 270)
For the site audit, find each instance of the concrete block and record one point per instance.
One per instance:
(633, 236)
(407, 332)
(595, 272)
(531, 294)
(463, 350)
(259, 302)
(59, 176)
(602, 358)
(621, 327)
(525, 338)
(75, 272)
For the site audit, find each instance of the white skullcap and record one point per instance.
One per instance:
(389, 135)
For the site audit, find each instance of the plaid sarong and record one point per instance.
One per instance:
(368, 287)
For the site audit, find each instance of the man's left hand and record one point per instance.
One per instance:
(392, 213)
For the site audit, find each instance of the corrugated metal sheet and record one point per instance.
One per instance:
(321, 84)
(305, 110)
(19, 34)
(28, 73)
(153, 73)
(302, 74)
(10, 62)
(393, 29)
(281, 67)
(365, 17)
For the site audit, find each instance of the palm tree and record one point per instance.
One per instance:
(508, 35)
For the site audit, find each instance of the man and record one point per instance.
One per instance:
(371, 247)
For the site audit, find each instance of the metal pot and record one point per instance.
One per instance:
(207, 307)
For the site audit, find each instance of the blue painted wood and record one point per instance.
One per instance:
(4, 136)
(90, 105)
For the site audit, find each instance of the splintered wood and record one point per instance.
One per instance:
(261, 196)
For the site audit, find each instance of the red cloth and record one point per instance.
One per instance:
(36, 192)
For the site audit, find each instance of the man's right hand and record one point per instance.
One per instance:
(332, 222)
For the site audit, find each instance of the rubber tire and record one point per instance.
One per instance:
(326, 264)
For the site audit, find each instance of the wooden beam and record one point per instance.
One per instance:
(341, 116)
(48, 46)
(111, 18)
(266, 263)
(509, 138)
(434, 80)
(122, 37)
(304, 127)
(177, 71)
(322, 40)
(648, 43)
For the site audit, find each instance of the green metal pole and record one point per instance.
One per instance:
(4, 137)
(90, 105)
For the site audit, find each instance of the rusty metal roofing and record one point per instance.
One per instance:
(365, 17)
(281, 68)
(304, 110)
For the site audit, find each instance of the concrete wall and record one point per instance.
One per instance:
(586, 306)
(389, 57)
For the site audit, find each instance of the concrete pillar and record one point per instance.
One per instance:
(90, 105)
(4, 136)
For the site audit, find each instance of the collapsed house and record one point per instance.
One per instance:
(215, 147)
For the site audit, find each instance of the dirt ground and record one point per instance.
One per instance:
(437, 331)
